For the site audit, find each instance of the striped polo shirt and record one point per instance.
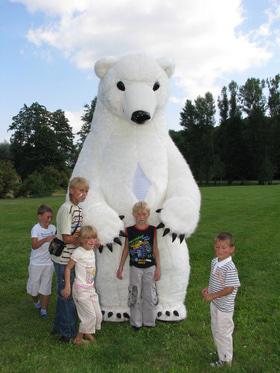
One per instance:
(69, 218)
(223, 274)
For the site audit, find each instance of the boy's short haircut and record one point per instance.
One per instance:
(87, 231)
(140, 206)
(44, 208)
(77, 182)
(225, 236)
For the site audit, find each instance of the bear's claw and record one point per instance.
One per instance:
(161, 225)
(118, 241)
(177, 314)
(168, 230)
(115, 316)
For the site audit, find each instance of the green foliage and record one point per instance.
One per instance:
(274, 95)
(252, 214)
(87, 120)
(252, 98)
(5, 151)
(240, 148)
(9, 180)
(44, 183)
(36, 185)
(40, 139)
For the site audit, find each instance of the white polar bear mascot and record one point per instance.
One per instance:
(128, 156)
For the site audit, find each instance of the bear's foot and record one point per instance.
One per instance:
(172, 314)
(115, 315)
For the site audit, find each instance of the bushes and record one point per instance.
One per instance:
(9, 180)
(44, 182)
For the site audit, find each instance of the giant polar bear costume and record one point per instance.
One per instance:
(128, 156)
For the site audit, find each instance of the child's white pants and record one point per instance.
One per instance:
(222, 328)
(87, 305)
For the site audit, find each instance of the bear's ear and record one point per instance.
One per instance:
(168, 65)
(103, 65)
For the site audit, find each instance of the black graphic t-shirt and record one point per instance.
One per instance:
(140, 246)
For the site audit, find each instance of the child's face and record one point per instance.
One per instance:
(89, 243)
(223, 249)
(45, 219)
(141, 217)
(78, 194)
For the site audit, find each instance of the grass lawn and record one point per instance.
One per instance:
(251, 213)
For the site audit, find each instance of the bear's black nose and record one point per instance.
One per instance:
(140, 116)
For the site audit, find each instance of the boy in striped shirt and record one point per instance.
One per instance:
(221, 292)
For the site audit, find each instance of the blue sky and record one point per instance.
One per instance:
(48, 48)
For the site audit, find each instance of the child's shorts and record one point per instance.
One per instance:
(40, 279)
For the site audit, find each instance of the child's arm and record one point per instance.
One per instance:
(73, 239)
(157, 259)
(66, 292)
(123, 259)
(35, 243)
(218, 294)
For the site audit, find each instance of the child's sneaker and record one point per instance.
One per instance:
(37, 305)
(220, 363)
(43, 313)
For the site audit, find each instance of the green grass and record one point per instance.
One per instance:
(251, 213)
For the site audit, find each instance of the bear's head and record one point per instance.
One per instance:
(134, 87)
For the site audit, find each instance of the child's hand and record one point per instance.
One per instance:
(204, 291)
(120, 273)
(49, 238)
(206, 296)
(157, 274)
(66, 292)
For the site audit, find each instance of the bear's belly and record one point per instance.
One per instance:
(132, 180)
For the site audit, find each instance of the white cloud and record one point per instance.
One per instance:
(75, 121)
(203, 37)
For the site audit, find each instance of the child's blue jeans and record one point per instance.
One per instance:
(65, 321)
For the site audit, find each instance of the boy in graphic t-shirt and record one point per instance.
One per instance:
(40, 266)
(141, 245)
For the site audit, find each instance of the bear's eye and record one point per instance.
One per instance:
(121, 86)
(156, 86)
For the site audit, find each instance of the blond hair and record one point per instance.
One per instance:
(87, 231)
(140, 206)
(78, 182)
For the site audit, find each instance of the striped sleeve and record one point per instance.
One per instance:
(231, 277)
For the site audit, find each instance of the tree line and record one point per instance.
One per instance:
(245, 144)
(42, 151)
(242, 144)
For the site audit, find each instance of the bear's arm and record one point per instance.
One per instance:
(181, 207)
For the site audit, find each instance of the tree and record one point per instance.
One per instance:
(252, 99)
(87, 120)
(198, 119)
(234, 107)
(9, 180)
(64, 138)
(5, 151)
(274, 95)
(40, 138)
(257, 127)
(223, 105)
(274, 110)
(229, 144)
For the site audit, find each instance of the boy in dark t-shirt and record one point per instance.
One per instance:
(141, 245)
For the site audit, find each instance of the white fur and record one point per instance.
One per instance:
(114, 156)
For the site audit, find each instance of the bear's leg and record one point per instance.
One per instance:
(113, 293)
(175, 270)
